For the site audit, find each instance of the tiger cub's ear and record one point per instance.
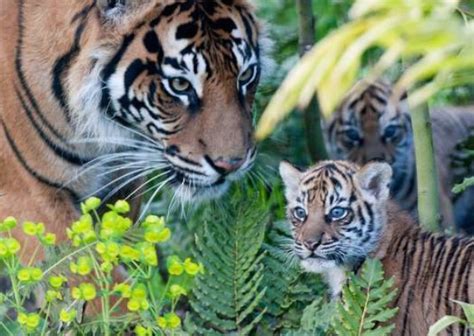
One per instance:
(291, 179)
(374, 179)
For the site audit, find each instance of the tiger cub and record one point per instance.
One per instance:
(341, 214)
(371, 125)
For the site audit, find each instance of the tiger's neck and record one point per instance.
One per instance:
(399, 224)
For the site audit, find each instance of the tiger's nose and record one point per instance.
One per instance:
(312, 244)
(226, 166)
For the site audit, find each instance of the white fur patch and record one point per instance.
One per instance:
(334, 275)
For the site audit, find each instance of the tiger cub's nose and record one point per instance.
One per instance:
(312, 244)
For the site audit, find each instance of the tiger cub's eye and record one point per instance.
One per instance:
(246, 76)
(338, 213)
(180, 84)
(352, 135)
(393, 133)
(299, 213)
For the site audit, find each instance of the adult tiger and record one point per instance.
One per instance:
(341, 214)
(370, 125)
(95, 93)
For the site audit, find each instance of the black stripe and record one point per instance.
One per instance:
(450, 284)
(109, 70)
(63, 63)
(24, 84)
(66, 155)
(32, 172)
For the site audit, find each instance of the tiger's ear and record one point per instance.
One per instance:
(106, 6)
(117, 10)
(374, 178)
(291, 179)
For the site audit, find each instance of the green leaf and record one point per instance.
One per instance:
(468, 309)
(442, 324)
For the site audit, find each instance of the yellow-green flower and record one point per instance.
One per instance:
(33, 229)
(154, 222)
(138, 299)
(142, 331)
(30, 274)
(57, 281)
(85, 291)
(176, 291)
(192, 268)
(8, 224)
(106, 267)
(114, 225)
(109, 251)
(175, 265)
(124, 289)
(169, 321)
(49, 239)
(92, 203)
(30, 321)
(53, 295)
(147, 253)
(83, 266)
(67, 316)
(157, 236)
(128, 253)
(121, 207)
(133, 305)
(8, 247)
(82, 231)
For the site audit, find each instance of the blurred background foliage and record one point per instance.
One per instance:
(278, 293)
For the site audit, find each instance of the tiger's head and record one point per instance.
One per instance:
(337, 211)
(181, 72)
(371, 125)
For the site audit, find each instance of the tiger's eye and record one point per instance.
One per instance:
(179, 84)
(246, 76)
(352, 135)
(299, 213)
(390, 131)
(338, 213)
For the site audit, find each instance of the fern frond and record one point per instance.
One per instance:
(226, 298)
(364, 309)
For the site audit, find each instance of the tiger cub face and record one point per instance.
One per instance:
(371, 125)
(183, 73)
(337, 211)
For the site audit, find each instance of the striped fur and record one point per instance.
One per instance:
(372, 125)
(95, 94)
(429, 270)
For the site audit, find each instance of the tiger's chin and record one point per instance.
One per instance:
(188, 194)
(188, 190)
(333, 273)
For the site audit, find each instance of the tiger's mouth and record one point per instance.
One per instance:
(195, 184)
(190, 188)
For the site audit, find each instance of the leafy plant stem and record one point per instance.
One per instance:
(426, 174)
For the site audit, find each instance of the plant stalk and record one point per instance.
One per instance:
(312, 113)
(426, 173)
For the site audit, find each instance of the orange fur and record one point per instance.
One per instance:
(53, 59)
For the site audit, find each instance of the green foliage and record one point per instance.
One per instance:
(316, 319)
(364, 307)
(84, 270)
(446, 321)
(466, 183)
(430, 34)
(226, 299)
(289, 290)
